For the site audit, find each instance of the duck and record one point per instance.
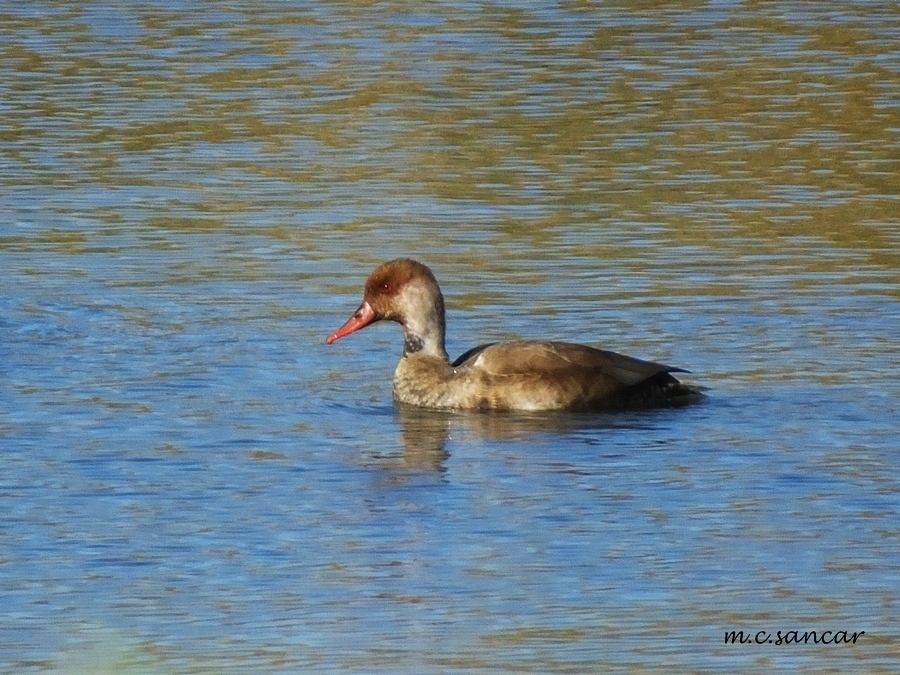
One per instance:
(518, 375)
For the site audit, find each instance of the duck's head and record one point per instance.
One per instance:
(404, 291)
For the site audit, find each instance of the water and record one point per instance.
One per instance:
(193, 195)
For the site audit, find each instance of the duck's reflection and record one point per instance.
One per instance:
(425, 432)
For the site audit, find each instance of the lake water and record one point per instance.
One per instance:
(192, 196)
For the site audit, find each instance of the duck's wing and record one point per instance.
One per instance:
(559, 359)
(464, 358)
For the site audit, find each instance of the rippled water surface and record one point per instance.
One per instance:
(192, 196)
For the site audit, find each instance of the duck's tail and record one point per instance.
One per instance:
(661, 390)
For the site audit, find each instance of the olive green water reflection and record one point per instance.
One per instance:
(192, 195)
(765, 122)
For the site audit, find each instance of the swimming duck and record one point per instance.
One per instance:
(527, 375)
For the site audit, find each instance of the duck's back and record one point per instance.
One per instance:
(562, 375)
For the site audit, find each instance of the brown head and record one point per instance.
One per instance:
(404, 291)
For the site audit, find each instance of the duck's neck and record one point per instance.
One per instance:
(417, 341)
(423, 331)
